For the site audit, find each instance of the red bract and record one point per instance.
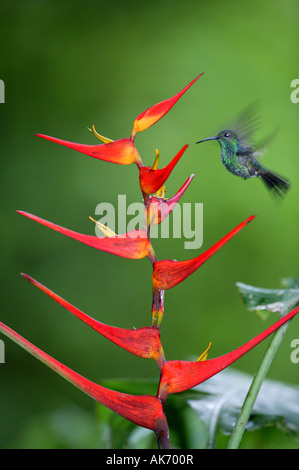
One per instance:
(132, 245)
(144, 410)
(121, 151)
(178, 376)
(160, 208)
(156, 112)
(151, 180)
(143, 342)
(169, 273)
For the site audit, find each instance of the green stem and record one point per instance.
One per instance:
(254, 389)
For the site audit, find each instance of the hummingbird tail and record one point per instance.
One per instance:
(276, 184)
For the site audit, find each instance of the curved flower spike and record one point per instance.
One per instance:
(151, 179)
(160, 208)
(156, 112)
(178, 376)
(121, 151)
(132, 245)
(204, 355)
(144, 410)
(104, 229)
(156, 162)
(99, 136)
(142, 342)
(169, 273)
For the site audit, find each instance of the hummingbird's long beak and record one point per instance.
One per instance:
(204, 140)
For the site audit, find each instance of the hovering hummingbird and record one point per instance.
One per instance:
(240, 157)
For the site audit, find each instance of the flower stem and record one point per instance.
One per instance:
(255, 386)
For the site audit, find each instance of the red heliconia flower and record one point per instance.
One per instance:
(143, 410)
(178, 376)
(121, 151)
(152, 179)
(156, 112)
(175, 376)
(133, 245)
(142, 342)
(169, 273)
(160, 208)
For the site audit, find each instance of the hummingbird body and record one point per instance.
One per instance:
(238, 157)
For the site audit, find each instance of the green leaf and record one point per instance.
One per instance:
(290, 282)
(264, 301)
(217, 402)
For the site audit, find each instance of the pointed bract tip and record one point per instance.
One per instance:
(154, 113)
(26, 276)
(250, 219)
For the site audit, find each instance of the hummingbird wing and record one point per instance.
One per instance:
(262, 146)
(246, 125)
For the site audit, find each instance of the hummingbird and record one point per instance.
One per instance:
(240, 157)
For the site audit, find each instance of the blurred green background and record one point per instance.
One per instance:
(68, 65)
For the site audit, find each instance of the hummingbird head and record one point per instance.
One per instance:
(240, 139)
(227, 135)
(228, 140)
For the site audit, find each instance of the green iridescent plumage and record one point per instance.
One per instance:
(241, 158)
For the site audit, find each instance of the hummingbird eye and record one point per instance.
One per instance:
(227, 134)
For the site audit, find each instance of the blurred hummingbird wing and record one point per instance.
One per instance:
(246, 125)
(258, 153)
(262, 145)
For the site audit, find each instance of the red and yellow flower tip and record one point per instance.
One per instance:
(156, 112)
(160, 208)
(143, 410)
(133, 245)
(142, 342)
(178, 376)
(121, 151)
(152, 179)
(169, 273)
